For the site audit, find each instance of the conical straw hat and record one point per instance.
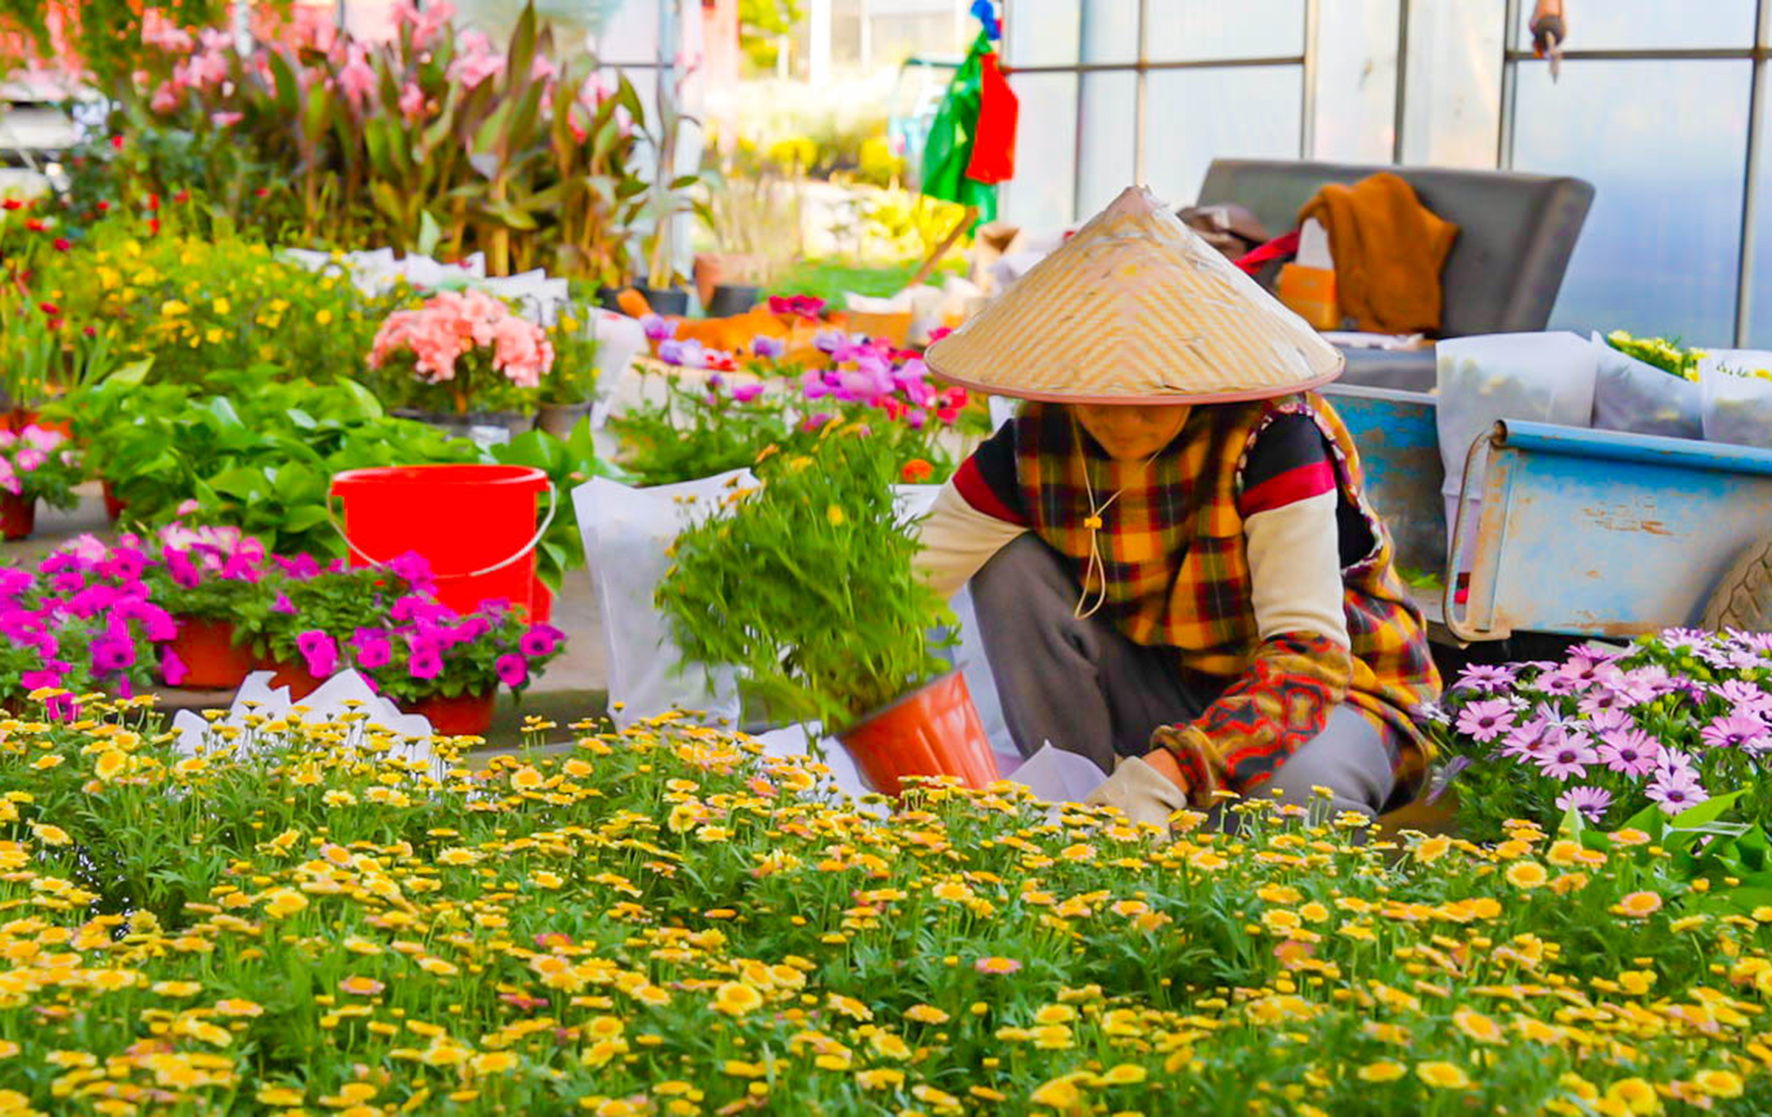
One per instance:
(1135, 308)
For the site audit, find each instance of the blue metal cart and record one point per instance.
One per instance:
(1581, 533)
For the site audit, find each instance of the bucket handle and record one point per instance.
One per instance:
(534, 541)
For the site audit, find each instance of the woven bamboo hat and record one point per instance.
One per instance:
(1135, 308)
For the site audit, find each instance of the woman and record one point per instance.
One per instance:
(1175, 570)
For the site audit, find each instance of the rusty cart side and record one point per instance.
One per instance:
(1578, 532)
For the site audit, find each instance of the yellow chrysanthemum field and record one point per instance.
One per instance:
(667, 921)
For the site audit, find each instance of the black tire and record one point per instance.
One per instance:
(1743, 599)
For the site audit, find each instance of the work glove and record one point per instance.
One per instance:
(1142, 793)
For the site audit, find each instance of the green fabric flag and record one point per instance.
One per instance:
(948, 151)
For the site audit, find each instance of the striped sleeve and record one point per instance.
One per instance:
(1289, 462)
(987, 479)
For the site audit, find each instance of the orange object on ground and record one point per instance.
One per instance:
(933, 731)
(1310, 294)
(632, 303)
(212, 660)
(1389, 250)
(475, 525)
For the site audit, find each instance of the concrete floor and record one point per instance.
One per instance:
(574, 687)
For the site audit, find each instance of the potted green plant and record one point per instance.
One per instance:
(35, 464)
(755, 221)
(472, 360)
(568, 387)
(807, 586)
(29, 349)
(670, 196)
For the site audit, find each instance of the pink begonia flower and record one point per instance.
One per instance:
(226, 119)
(356, 79)
(412, 101)
(165, 99)
(29, 460)
(43, 438)
(9, 478)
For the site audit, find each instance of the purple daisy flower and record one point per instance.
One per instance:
(1675, 792)
(768, 348)
(1735, 732)
(1590, 801)
(1482, 676)
(1568, 757)
(1631, 752)
(1485, 721)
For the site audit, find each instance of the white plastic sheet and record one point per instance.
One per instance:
(626, 534)
(1635, 396)
(1543, 377)
(1737, 408)
(338, 695)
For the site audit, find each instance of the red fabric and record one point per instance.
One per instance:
(978, 493)
(993, 144)
(1285, 245)
(1289, 487)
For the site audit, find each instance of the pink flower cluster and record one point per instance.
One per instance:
(25, 452)
(456, 324)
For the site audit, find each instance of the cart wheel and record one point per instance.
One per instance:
(1743, 599)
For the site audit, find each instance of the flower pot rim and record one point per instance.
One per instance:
(907, 696)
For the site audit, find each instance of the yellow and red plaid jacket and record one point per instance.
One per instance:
(1175, 574)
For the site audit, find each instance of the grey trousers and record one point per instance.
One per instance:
(1084, 687)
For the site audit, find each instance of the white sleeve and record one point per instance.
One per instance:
(957, 540)
(1295, 569)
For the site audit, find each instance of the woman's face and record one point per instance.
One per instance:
(1132, 432)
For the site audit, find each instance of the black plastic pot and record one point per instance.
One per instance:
(733, 298)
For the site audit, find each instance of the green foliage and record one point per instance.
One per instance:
(806, 584)
(761, 23)
(104, 37)
(568, 464)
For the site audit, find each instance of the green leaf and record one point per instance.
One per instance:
(132, 374)
(300, 419)
(1687, 826)
(304, 518)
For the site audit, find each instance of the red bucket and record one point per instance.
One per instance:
(475, 524)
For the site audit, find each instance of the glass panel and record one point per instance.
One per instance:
(1356, 81)
(1452, 94)
(1650, 24)
(1664, 144)
(630, 34)
(1110, 30)
(1202, 30)
(1195, 116)
(1043, 193)
(1042, 33)
(1110, 126)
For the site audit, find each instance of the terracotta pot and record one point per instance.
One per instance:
(295, 676)
(212, 660)
(465, 715)
(18, 516)
(715, 269)
(113, 505)
(932, 731)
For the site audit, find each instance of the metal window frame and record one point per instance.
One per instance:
(1758, 54)
(1143, 67)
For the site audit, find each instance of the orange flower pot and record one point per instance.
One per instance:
(18, 516)
(932, 731)
(212, 660)
(465, 715)
(295, 676)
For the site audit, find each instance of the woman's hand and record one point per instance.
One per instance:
(1164, 761)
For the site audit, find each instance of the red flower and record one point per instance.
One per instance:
(261, 192)
(89, 331)
(34, 225)
(153, 203)
(181, 197)
(104, 207)
(153, 226)
(916, 471)
(55, 324)
(116, 143)
(12, 204)
(49, 308)
(936, 335)
(62, 244)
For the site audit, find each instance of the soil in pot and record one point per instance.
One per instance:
(465, 715)
(18, 516)
(932, 731)
(212, 660)
(730, 299)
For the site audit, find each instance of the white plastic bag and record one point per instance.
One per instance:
(1636, 397)
(1737, 402)
(626, 534)
(1544, 377)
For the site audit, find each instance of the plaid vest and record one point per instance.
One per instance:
(1173, 551)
